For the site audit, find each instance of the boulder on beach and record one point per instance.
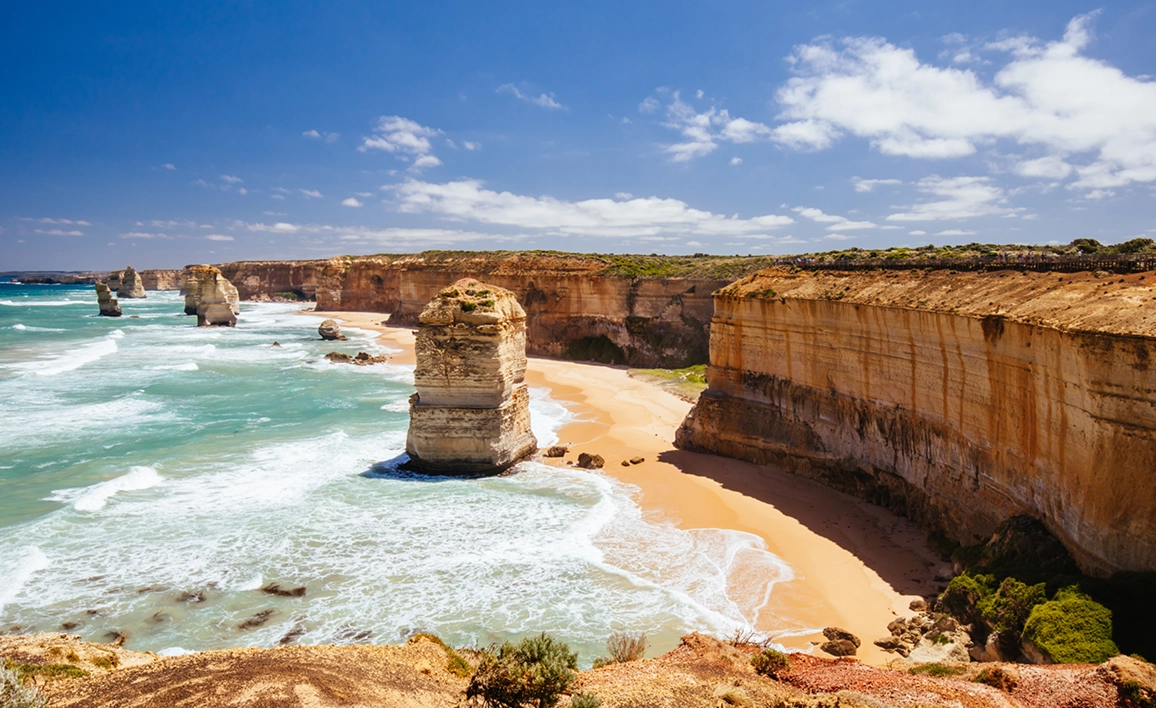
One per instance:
(840, 642)
(330, 332)
(556, 451)
(590, 462)
(109, 307)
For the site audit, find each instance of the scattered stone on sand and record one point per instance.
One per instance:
(556, 451)
(625, 463)
(109, 307)
(590, 462)
(330, 332)
(471, 412)
(637, 460)
(840, 642)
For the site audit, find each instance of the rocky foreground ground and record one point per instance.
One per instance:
(701, 672)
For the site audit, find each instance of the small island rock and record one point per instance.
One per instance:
(330, 332)
(109, 307)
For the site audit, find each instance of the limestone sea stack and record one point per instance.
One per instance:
(210, 296)
(471, 412)
(131, 284)
(109, 307)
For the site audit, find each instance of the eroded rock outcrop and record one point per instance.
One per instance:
(470, 414)
(130, 284)
(109, 307)
(329, 331)
(161, 279)
(958, 399)
(210, 296)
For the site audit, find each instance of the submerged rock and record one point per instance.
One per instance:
(109, 307)
(211, 297)
(131, 284)
(330, 332)
(471, 412)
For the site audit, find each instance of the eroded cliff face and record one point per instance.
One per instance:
(161, 279)
(572, 311)
(958, 399)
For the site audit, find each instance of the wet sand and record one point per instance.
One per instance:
(855, 565)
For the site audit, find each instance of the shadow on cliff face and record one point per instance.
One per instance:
(892, 546)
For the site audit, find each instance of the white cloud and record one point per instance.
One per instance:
(280, 227)
(351, 202)
(310, 193)
(59, 232)
(955, 232)
(836, 222)
(398, 135)
(959, 198)
(64, 222)
(143, 235)
(1090, 118)
(471, 145)
(917, 232)
(363, 194)
(467, 200)
(276, 196)
(218, 237)
(275, 213)
(426, 161)
(327, 137)
(650, 105)
(543, 100)
(168, 166)
(704, 131)
(736, 161)
(231, 179)
(623, 195)
(867, 185)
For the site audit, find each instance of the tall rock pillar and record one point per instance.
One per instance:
(471, 412)
(131, 285)
(210, 296)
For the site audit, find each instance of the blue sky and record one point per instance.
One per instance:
(160, 134)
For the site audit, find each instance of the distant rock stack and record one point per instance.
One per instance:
(161, 279)
(131, 284)
(211, 297)
(109, 307)
(113, 280)
(471, 412)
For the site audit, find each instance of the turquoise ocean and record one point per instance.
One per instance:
(156, 476)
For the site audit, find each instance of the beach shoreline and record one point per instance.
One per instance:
(855, 565)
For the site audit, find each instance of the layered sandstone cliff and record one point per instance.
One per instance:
(580, 307)
(471, 411)
(161, 279)
(210, 296)
(959, 399)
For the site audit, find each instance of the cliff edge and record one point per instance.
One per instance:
(959, 399)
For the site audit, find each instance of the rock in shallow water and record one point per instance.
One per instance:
(108, 305)
(330, 332)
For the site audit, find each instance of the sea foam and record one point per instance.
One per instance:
(95, 497)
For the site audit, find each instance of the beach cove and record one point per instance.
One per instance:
(848, 563)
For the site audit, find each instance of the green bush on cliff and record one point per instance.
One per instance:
(1008, 608)
(1072, 628)
(964, 593)
(14, 693)
(771, 662)
(533, 672)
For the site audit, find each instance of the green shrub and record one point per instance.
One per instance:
(534, 672)
(996, 677)
(937, 670)
(964, 593)
(771, 662)
(1009, 607)
(455, 664)
(626, 646)
(1072, 628)
(585, 700)
(469, 306)
(14, 693)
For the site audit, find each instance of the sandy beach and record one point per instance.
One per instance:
(855, 565)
